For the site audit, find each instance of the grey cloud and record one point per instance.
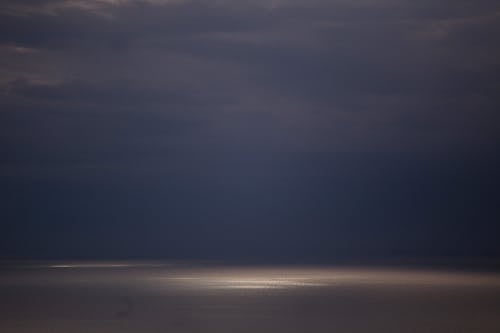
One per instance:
(316, 61)
(130, 23)
(103, 93)
(318, 120)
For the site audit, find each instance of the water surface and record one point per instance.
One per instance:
(168, 297)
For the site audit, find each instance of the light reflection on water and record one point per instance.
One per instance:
(179, 297)
(243, 282)
(286, 278)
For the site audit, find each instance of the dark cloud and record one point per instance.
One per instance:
(337, 127)
(314, 67)
(102, 93)
(128, 24)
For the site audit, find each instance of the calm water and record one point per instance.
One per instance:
(159, 297)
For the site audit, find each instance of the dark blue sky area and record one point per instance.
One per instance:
(285, 130)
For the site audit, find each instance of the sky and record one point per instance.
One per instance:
(278, 130)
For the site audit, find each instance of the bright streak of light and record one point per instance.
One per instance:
(294, 278)
(245, 282)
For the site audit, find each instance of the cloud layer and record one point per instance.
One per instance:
(330, 105)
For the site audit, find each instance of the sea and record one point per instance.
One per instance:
(188, 297)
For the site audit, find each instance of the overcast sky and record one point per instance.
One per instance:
(264, 130)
